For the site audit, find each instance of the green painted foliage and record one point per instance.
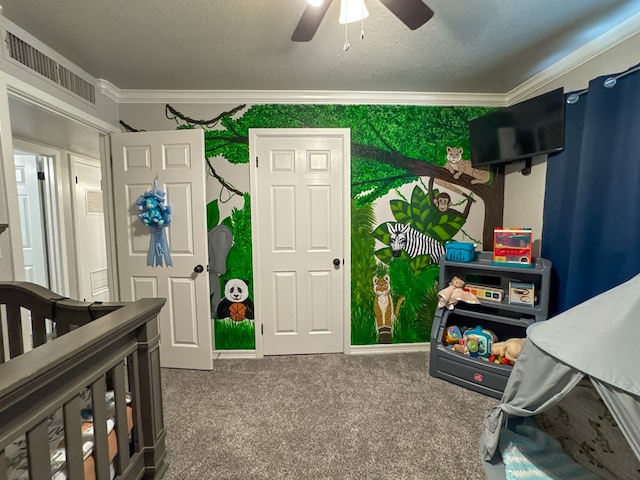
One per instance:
(411, 285)
(230, 335)
(423, 216)
(420, 208)
(239, 260)
(383, 138)
(384, 255)
(363, 267)
(417, 132)
(401, 211)
(420, 263)
(426, 312)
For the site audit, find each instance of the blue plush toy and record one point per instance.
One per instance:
(155, 214)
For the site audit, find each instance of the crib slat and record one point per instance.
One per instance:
(134, 388)
(2, 341)
(3, 466)
(73, 438)
(122, 430)
(14, 327)
(38, 328)
(101, 444)
(62, 327)
(38, 452)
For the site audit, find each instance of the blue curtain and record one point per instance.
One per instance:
(591, 222)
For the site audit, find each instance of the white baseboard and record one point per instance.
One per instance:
(355, 350)
(233, 354)
(392, 348)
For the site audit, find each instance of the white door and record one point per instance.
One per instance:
(298, 219)
(31, 219)
(88, 216)
(176, 160)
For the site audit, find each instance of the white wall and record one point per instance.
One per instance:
(48, 107)
(7, 190)
(524, 195)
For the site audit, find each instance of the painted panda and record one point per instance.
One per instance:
(236, 303)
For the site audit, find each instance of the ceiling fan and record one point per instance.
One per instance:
(413, 13)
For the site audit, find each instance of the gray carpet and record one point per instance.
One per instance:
(321, 417)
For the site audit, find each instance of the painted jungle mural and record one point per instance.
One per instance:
(412, 189)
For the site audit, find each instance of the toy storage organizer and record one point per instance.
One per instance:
(505, 319)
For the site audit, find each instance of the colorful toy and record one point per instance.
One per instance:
(485, 293)
(509, 349)
(472, 345)
(512, 246)
(480, 339)
(452, 335)
(460, 347)
(500, 360)
(521, 293)
(451, 295)
(494, 337)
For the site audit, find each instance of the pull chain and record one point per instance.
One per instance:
(346, 45)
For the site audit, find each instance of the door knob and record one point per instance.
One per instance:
(198, 269)
(336, 263)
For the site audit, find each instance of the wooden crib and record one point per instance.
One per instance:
(80, 390)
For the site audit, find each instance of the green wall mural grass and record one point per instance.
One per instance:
(391, 146)
(229, 334)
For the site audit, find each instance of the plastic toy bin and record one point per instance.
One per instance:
(460, 251)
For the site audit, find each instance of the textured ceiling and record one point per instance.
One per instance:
(470, 46)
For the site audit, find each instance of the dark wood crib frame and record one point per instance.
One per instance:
(95, 344)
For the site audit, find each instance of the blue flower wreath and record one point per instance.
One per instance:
(157, 215)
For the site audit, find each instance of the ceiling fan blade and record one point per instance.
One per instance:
(413, 13)
(309, 22)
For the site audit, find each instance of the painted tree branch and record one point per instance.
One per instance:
(490, 194)
(129, 128)
(224, 183)
(203, 123)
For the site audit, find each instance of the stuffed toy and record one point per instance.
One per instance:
(154, 213)
(451, 295)
(509, 349)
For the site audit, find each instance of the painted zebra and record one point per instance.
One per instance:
(404, 237)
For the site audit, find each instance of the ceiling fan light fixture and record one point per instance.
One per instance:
(352, 11)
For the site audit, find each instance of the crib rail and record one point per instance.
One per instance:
(119, 351)
(28, 309)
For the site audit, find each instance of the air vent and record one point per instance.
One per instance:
(35, 60)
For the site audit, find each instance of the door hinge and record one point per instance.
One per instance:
(76, 179)
(257, 163)
(262, 329)
(41, 176)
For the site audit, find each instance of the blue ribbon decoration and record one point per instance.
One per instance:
(154, 213)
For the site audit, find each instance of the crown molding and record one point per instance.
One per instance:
(575, 59)
(109, 90)
(299, 97)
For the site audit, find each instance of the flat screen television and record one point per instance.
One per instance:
(521, 131)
